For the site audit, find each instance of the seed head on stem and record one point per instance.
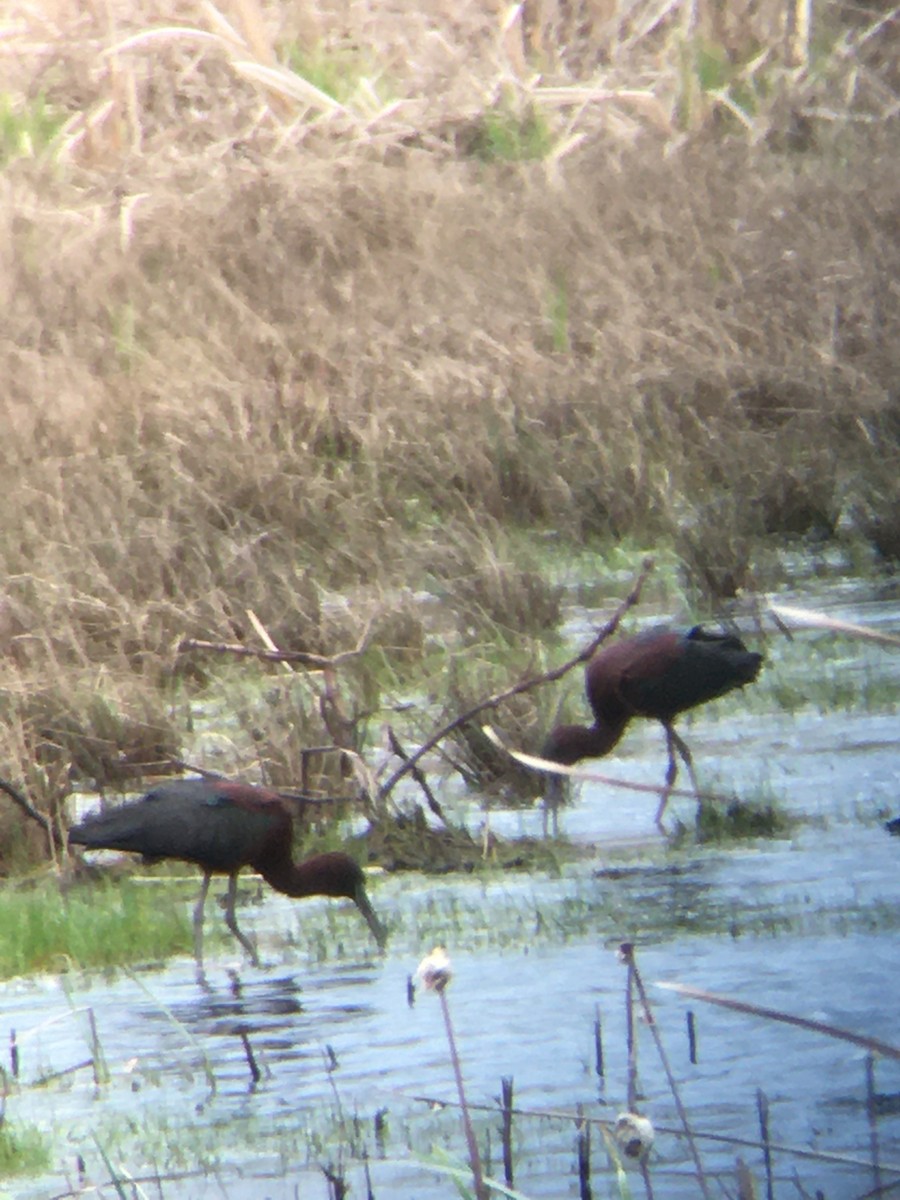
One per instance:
(434, 970)
(435, 973)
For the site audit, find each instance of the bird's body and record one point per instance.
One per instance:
(656, 674)
(222, 827)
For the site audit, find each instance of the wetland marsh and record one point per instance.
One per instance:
(393, 337)
(806, 923)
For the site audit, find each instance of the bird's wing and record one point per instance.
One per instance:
(212, 830)
(686, 672)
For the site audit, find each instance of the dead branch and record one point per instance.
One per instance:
(873, 1045)
(26, 806)
(417, 774)
(788, 618)
(303, 657)
(51, 828)
(525, 685)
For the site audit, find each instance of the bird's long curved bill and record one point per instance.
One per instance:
(379, 931)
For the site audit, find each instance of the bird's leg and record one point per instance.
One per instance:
(682, 748)
(198, 920)
(673, 743)
(672, 740)
(554, 795)
(231, 919)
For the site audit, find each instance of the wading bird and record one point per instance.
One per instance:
(658, 674)
(223, 826)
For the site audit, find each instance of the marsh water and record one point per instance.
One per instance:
(354, 1079)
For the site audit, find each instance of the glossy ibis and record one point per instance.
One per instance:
(223, 826)
(658, 673)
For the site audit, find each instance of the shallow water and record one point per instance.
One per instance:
(807, 924)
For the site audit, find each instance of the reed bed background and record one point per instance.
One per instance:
(313, 309)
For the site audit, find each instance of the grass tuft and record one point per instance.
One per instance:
(502, 135)
(27, 126)
(739, 819)
(105, 925)
(338, 73)
(24, 1150)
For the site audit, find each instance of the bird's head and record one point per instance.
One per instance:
(566, 744)
(340, 875)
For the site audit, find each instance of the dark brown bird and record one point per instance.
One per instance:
(658, 673)
(223, 826)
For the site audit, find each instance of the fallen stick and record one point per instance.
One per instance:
(875, 1045)
(805, 618)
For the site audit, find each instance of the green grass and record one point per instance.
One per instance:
(115, 922)
(708, 70)
(831, 686)
(506, 136)
(103, 925)
(652, 895)
(26, 128)
(124, 326)
(337, 73)
(24, 1150)
(558, 316)
(739, 819)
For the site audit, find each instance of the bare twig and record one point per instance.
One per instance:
(50, 827)
(417, 774)
(26, 806)
(805, 618)
(724, 1139)
(525, 685)
(872, 1114)
(762, 1108)
(875, 1045)
(265, 637)
(306, 659)
(298, 795)
(630, 1039)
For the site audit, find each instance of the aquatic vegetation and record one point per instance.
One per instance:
(177, 1109)
(24, 1150)
(739, 819)
(113, 922)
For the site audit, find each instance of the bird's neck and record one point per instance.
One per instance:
(570, 743)
(313, 877)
